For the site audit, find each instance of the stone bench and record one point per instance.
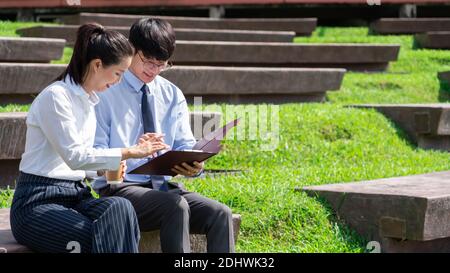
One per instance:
(409, 25)
(214, 84)
(433, 40)
(13, 136)
(403, 214)
(36, 50)
(149, 243)
(255, 84)
(301, 26)
(361, 57)
(428, 125)
(68, 32)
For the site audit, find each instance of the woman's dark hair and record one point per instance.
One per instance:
(154, 37)
(96, 42)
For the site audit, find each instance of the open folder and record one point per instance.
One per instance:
(205, 148)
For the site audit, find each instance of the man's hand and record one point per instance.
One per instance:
(187, 170)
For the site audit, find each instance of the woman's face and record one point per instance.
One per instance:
(104, 77)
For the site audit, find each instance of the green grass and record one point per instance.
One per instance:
(8, 28)
(411, 79)
(321, 144)
(6, 198)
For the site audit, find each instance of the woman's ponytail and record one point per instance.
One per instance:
(95, 42)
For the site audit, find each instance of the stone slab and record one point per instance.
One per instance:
(68, 32)
(428, 125)
(301, 26)
(433, 40)
(214, 84)
(409, 25)
(13, 136)
(36, 50)
(405, 214)
(360, 57)
(241, 84)
(27, 78)
(149, 243)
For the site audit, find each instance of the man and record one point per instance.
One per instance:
(144, 102)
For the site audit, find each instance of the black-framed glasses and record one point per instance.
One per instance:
(151, 65)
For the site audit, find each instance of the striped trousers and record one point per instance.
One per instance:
(53, 215)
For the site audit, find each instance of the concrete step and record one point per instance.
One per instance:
(24, 80)
(149, 243)
(255, 84)
(428, 125)
(360, 57)
(36, 50)
(214, 84)
(433, 40)
(409, 25)
(301, 26)
(68, 32)
(13, 136)
(403, 214)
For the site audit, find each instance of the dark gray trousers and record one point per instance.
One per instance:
(178, 213)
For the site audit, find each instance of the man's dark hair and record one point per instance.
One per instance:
(95, 42)
(154, 37)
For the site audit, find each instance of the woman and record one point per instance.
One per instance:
(52, 209)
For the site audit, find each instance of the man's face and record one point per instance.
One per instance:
(146, 69)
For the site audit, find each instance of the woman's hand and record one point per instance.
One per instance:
(148, 144)
(152, 137)
(123, 164)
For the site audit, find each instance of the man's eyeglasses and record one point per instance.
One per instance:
(151, 65)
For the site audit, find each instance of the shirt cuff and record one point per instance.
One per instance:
(114, 159)
(199, 173)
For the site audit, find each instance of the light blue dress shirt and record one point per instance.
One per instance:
(119, 119)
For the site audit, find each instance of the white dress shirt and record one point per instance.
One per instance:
(61, 127)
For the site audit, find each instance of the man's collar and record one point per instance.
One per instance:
(133, 81)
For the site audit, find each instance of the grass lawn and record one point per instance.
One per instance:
(321, 144)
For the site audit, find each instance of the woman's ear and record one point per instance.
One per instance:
(96, 64)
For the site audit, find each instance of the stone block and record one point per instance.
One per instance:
(428, 125)
(301, 26)
(36, 50)
(214, 84)
(360, 57)
(433, 40)
(254, 84)
(404, 214)
(149, 243)
(409, 25)
(68, 32)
